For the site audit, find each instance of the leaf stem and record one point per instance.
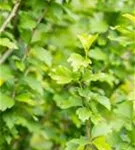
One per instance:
(3, 27)
(6, 55)
(11, 15)
(88, 128)
(86, 54)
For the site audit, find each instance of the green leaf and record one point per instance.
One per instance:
(42, 54)
(125, 110)
(123, 40)
(26, 98)
(100, 129)
(77, 144)
(103, 77)
(65, 101)
(130, 17)
(78, 62)
(132, 135)
(30, 125)
(54, 10)
(8, 139)
(34, 84)
(98, 24)
(117, 123)
(131, 96)
(103, 101)
(10, 119)
(85, 92)
(40, 142)
(20, 65)
(131, 148)
(70, 146)
(61, 74)
(87, 40)
(27, 21)
(5, 102)
(80, 147)
(5, 6)
(83, 113)
(101, 144)
(98, 54)
(5, 74)
(7, 43)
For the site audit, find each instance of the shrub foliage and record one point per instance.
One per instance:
(67, 75)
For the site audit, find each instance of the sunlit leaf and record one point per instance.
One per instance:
(83, 113)
(101, 144)
(7, 43)
(125, 110)
(65, 101)
(77, 144)
(34, 84)
(61, 74)
(25, 98)
(78, 62)
(20, 65)
(102, 77)
(101, 129)
(42, 54)
(103, 101)
(87, 40)
(98, 54)
(5, 102)
(27, 21)
(39, 141)
(130, 17)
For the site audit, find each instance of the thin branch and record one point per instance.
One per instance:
(3, 27)
(88, 129)
(10, 16)
(6, 55)
(33, 32)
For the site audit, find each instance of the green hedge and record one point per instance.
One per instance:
(67, 75)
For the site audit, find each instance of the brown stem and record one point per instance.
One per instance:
(88, 133)
(88, 128)
(3, 27)
(6, 55)
(10, 16)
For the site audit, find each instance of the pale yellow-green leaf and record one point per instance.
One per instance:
(20, 66)
(83, 113)
(61, 74)
(100, 129)
(101, 144)
(87, 40)
(81, 147)
(1, 82)
(25, 98)
(5, 102)
(5, 74)
(65, 101)
(103, 100)
(78, 62)
(130, 17)
(42, 54)
(7, 43)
